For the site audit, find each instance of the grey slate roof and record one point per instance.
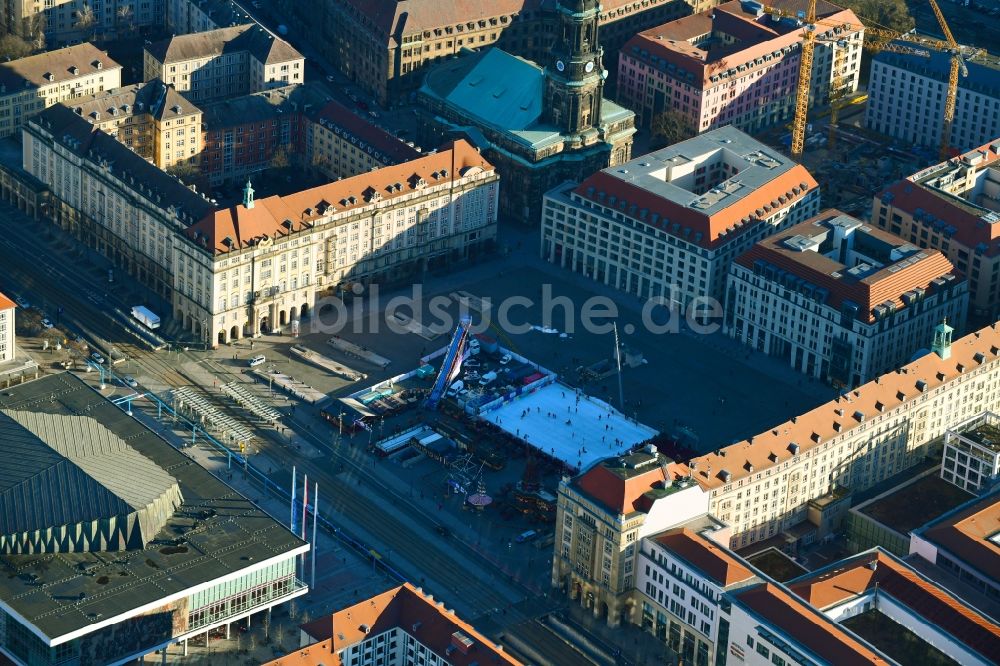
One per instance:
(80, 137)
(154, 97)
(86, 57)
(63, 470)
(261, 44)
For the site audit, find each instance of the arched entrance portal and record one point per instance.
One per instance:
(293, 314)
(282, 318)
(234, 333)
(222, 337)
(304, 311)
(265, 326)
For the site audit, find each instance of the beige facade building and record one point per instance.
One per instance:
(7, 307)
(257, 266)
(601, 518)
(62, 22)
(954, 207)
(150, 118)
(32, 84)
(224, 63)
(789, 486)
(839, 300)
(386, 46)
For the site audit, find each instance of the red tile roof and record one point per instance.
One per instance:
(711, 560)
(887, 284)
(838, 416)
(854, 576)
(806, 626)
(966, 535)
(970, 230)
(755, 37)
(621, 489)
(6, 303)
(716, 229)
(405, 607)
(275, 216)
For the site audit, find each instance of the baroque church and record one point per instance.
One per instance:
(539, 123)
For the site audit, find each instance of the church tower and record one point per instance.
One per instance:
(574, 71)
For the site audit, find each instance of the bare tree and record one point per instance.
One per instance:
(13, 47)
(125, 19)
(670, 127)
(86, 20)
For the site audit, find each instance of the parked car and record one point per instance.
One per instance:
(97, 358)
(471, 363)
(526, 536)
(129, 381)
(46, 323)
(488, 379)
(505, 359)
(329, 78)
(456, 387)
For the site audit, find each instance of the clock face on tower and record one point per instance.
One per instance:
(560, 65)
(590, 66)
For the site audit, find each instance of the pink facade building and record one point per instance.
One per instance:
(737, 64)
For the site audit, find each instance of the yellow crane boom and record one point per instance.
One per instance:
(805, 78)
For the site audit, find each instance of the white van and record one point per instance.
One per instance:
(256, 360)
(473, 347)
(488, 379)
(456, 388)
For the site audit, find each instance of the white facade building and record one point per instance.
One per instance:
(906, 97)
(7, 350)
(839, 300)
(224, 63)
(32, 84)
(259, 266)
(972, 453)
(667, 225)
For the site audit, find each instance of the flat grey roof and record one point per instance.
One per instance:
(758, 165)
(223, 531)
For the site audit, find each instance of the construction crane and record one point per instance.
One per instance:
(805, 77)
(876, 39)
(957, 66)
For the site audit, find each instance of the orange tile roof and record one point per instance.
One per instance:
(754, 37)
(620, 490)
(840, 415)
(792, 185)
(277, 216)
(806, 626)
(966, 534)
(886, 284)
(6, 303)
(970, 230)
(711, 560)
(405, 607)
(854, 576)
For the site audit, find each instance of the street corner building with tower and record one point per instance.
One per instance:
(500, 332)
